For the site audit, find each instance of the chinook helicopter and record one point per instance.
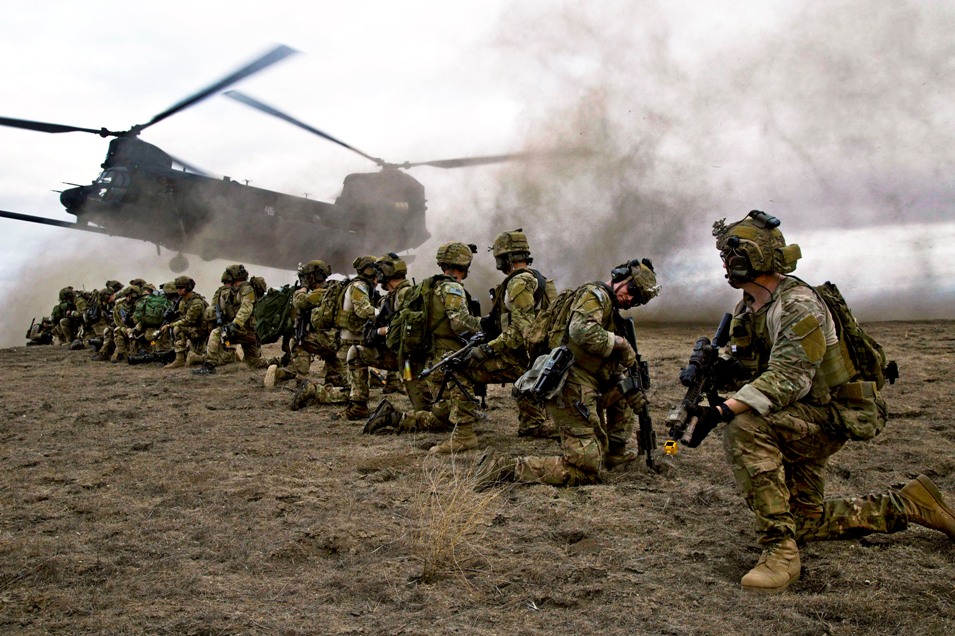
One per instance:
(141, 195)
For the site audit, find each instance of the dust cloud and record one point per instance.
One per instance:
(835, 116)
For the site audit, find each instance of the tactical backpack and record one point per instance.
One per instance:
(547, 330)
(325, 316)
(152, 309)
(860, 350)
(409, 333)
(273, 314)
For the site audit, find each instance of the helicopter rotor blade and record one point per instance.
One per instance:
(463, 162)
(47, 127)
(278, 53)
(269, 110)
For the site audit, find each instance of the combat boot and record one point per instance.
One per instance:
(620, 457)
(270, 376)
(385, 419)
(207, 368)
(304, 395)
(776, 570)
(924, 506)
(76, 345)
(357, 410)
(462, 439)
(492, 469)
(99, 356)
(179, 362)
(194, 359)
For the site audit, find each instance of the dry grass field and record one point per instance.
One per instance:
(136, 500)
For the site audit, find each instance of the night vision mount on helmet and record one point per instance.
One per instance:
(642, 280)
(754, 246)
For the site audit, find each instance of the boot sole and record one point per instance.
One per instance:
(769, 590)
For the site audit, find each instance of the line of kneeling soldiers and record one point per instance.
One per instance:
(795, 397)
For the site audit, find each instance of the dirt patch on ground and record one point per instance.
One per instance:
(137, 500)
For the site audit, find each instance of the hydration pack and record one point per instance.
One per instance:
(273, 314)
(325, 316)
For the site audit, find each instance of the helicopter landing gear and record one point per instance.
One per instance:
(178, 264)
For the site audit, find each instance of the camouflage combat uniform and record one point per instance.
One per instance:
(778, 450)
(516, 303)
(190, 328)
(587, 435)
(124, 343)
(323, 343)
(237, 305)
(66, 318)
(450, 320)
(358, 308)
(362, 357)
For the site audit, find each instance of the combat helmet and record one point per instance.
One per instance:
(390, 266)
(365, 266)
(641, 280)
(138, 282)
(235, 274)
(315, 271)
(130, 291)
(184, 282)
(113, 286)
(67, 294)
(169, 288)
(510, 247)
(455, 254)
(754, 246)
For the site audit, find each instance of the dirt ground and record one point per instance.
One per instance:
(137, 500)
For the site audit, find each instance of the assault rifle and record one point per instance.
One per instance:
(152, 356)
(635, 380)
(371, 337)
(29, 335)
(698, 377)
(451, 363)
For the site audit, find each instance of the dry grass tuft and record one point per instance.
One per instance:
(451, 517)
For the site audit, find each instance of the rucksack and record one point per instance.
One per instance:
(409, 333)
(866, 356)
(547, 330)
(273, 314)
(325, 316)
(152, 309)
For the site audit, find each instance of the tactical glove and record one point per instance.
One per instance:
(488, 324)
(707, 417)
(477, 355)
(622, 348)
(229, 329)
(727, 373)
(637, 401)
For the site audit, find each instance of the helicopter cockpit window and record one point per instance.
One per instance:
(112, 184)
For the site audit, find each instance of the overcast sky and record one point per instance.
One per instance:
(724, 106)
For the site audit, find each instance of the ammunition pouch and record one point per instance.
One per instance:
(861, 411)
(546, 377)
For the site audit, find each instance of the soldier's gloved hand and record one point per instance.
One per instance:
(477, 355)
(622, 348)
(707, 418)
(727, 372)
(229, 329)
(637, 401)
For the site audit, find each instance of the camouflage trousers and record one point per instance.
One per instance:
(323, 345)
(67, 329)
(587, 433)
(779, 461)
(184, 336)
(218, 354)
(505, 368)
(453, 409)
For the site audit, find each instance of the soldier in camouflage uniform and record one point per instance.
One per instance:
(189, 329)
(450, 322)
(235, 302)
(66, 318)
(594, 435)
(792, 409)
(106, 305)
(392, 275)
(517, 300)
(124, 343)
(308, 340)
(358, 309)
(147, 323)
